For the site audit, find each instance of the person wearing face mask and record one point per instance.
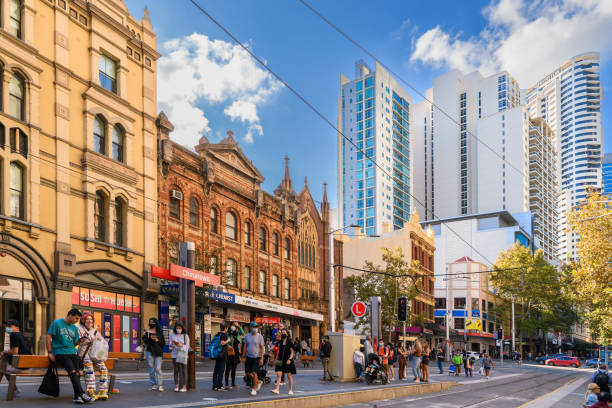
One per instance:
(17, 345)
(253, 355)
(285, 358)
(234, 334)
(153, 340)
(178, 340)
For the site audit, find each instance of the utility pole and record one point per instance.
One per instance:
(187, 306)
(447, 317)
(513, 333)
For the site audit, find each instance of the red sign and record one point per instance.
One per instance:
(358, 309)
(198, 277)
(162, 273)
(267, 320)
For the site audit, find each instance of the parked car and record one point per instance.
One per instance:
(542, 359)
(564, 361)
(592, 363)
(474, 354)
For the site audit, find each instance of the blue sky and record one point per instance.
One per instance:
(208, 86)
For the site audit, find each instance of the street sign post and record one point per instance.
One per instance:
(358, 309)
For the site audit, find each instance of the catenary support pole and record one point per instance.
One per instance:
(187, 306)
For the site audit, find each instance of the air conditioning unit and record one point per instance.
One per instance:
(176, 194)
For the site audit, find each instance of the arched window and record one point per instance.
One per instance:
(15, 18)
(99, 218)
(214, 221)
(275, 244)
(275, 285)
(118, 223)
(230, 272)
(230, 226)
(287, 249)
(248, 233)
(194, 212)
(16, 191)
(17, 97)
(286, 289)
(118, 139)
(99, 135)
(262, 239)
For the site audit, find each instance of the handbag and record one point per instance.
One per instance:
(50, 383)
(182, 353)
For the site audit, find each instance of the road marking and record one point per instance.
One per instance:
(558, 389)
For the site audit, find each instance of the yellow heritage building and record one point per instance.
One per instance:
(78, 219)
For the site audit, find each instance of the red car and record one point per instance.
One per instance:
(563, 361)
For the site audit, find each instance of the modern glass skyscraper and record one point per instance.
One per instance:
(606, 172)
(569, 100)
(374, 113)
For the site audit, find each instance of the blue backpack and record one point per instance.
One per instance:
(215, 346)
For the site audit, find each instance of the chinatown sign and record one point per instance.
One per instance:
(200, 278)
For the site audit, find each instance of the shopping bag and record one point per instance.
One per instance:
(182, 354)
(481, 371)
(50, 383)
(98, 351)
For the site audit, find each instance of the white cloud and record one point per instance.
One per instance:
(527, 40)
(196, 70)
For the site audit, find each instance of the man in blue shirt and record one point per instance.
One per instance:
(62, 337)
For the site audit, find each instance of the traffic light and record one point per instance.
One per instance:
(500, 333)
(402, 304)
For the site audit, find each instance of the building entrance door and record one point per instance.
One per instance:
(16, 303)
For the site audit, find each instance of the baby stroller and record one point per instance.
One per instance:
(451, 369)
(262, 374)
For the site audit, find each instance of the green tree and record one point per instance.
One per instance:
(536, 288)
(590, 278)
(397, 278)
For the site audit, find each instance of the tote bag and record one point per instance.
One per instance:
(182, 353)
(50, 383)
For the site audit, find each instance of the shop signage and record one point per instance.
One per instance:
(258, 304)
(162, 273)
(105, 300)
(358, 309)
(412, 329)
(200, 278)
(239, 316)
(220, 296)
(427, 331)
(267, 320)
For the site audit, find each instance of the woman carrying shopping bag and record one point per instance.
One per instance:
(93, 352)
(179, 341)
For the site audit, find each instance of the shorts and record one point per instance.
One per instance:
(251, 365)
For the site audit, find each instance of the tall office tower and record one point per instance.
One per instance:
(374, 113)
(606, 173)
(543, 190)
(569, 99)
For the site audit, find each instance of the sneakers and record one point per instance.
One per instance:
(253, 392)
(275, 391)
(183, 390)
(290, 392)
(160, 388)
(259, 384)
(83, 399)
(176, 389)
(154, 388)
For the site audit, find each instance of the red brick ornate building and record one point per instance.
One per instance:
(269, 249)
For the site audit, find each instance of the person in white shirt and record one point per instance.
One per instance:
(179, 340)
(359, 362)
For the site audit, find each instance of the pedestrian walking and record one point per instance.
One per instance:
(62, 337)
(487, 364)
(425, 362)
(17, 345)
(392, 360)
(179, 342)
(359, 362)
(253, 355)
(88, 332)
(325, 354)
(219, 344)
(603, 400)
(602, 377)
(235, 335)
(284, 363)
(402, 353)
(274, 355)
(440, 357)
(154, 341)
(590, 397)
(464, 355)
(416, 353)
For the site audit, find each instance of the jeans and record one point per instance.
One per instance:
(325, 361)
(179, 374)
(70, 362)
(416, 367)
(358, 369)
(155, 374)
(441, 366)
(218, 372)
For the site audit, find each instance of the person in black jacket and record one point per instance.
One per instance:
(325, 354)
(17, 345)
(284, 363)
(153, 340)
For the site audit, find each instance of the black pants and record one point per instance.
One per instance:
(70, 362)
(230, 369)
(218, 372)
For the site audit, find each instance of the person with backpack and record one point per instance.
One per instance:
(179, 340)
(17, 345)
(235, 335)
(154, 341)
(602, 378)
(88, 331)
(218, 352)
(603, 400)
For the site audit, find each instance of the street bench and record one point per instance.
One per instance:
(307, 360)
(36, 366)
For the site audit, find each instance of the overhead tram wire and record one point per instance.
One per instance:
(362, 48)
(428, 273)
(319, 114)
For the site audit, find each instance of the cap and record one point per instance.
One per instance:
(12, 322)
(592, 386)
(253, 324)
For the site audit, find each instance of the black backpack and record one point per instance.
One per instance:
(602, 380)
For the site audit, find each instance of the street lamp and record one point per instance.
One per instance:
(332, 279)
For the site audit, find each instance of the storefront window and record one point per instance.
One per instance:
(16, 297)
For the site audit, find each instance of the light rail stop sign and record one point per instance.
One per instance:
(358, 309)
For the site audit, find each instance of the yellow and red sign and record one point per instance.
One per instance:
(200, 278)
